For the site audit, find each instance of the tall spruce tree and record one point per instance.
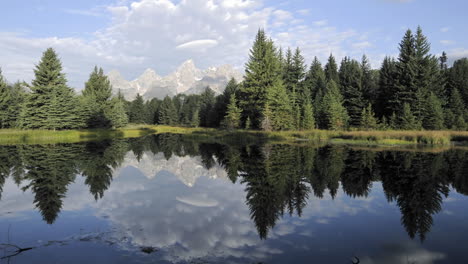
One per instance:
(115, 113)
(315, 79)
(98, 92)
(406, 88)
(167, 112)
(263, 85)
(458, 78)
(350, 80)
(51, 103)
(307, 120)
(331, 70)
(407, 121)
(11, 98)
(233, 114)
(386, 105)
(137, 110)
(333, 114)
(433, 115)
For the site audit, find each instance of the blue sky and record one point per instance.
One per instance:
(133, 35)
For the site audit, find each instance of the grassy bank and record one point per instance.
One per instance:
(383, 138)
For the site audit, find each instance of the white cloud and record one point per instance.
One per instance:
(445, 29)
(447, 42)
(196, 45)
(160, 34)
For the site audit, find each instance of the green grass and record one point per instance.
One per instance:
(365, 138)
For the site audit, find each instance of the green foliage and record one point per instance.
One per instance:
(458, 78)
(207, 103)
(350, 82)
(51, 103)
(11, 98)
(332, 112)
(368, 120)
(233, 114)
(116, 114)
(407, 120)
(167, 112)
(263, 85)
(137, 110)
(433, 116)
(307, 120)
(331, 70)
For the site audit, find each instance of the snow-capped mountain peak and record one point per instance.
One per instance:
(186, 79)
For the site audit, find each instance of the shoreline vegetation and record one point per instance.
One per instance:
(387, 138)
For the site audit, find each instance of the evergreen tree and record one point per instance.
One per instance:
(137, 110)
(333, 113)
(115, 113)
(51, 103)
(331, 70)
(387, 89)
(233, 115)
(369, 81)
(263, 85)
(406, 85)
(350, 81)
(98, 92)
(433, 116)
(455, 114)
(167, 112)
(11, 98)
(368, 120)
(308, 120)
(458, 78)
(315, 79)
(207, 103)
(407, 120)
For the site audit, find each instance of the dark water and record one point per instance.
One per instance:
(166, 199)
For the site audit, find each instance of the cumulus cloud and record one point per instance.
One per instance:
(161, 34)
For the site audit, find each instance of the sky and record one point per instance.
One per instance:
(133, 35)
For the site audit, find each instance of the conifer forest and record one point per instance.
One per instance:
(279, 91)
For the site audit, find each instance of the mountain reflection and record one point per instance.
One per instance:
(278, 179)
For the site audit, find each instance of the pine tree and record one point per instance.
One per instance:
(253, 92)
(263, 85)
(207, 103)
(167, 112)
(98, 85)
(51, 103)
(368, 81)
(406, 88)
(11, 98)
(387, 89)
(433, 117)
(456, 111)
(331, 70)
(407, 121)
(115, 113)
(137, 110)
(350, 81)
(458, 78)
(233, 114)
(98, 92)
(368, 120)
(307, 120)
(333, 113)
(315, 78)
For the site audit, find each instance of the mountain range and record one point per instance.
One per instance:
(187, 79)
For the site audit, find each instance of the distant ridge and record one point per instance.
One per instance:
(187, 79)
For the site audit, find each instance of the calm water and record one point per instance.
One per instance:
(166, 199)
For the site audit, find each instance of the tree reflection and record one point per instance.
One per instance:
(278, 179)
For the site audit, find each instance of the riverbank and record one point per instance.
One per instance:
(378, 138)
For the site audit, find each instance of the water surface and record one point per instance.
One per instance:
(168, 199)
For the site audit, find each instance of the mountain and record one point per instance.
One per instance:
(187, 169)
(187, 79)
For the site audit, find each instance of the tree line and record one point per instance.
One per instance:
(278, 178)
(414, 91)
